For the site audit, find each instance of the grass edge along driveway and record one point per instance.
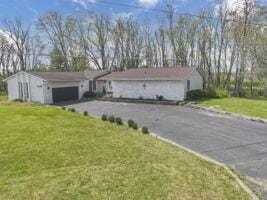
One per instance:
(47, 153)
(244, 106)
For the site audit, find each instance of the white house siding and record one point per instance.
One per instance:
(170, 90)
(12, 87)
(35, 92)
(196, 81)
(83, 87)
(36, 89)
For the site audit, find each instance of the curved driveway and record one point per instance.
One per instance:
(242, 144)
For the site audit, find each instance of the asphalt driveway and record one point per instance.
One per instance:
(238, 143)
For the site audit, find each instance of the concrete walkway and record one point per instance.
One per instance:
(241, 144)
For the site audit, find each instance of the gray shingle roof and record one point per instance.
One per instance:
(161, 73)
(68, 76)
(59, 76)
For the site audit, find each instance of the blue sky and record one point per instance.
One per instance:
(29, 10)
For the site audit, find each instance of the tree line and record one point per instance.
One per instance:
(228, 46)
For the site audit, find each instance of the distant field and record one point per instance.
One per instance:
(47, 153)
(245, 106)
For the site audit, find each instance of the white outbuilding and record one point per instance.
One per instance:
(51, 87)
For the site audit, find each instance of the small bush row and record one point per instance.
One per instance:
(112, 119)
(69, 109)
(131, 123)
(85, 113)
(118, 120)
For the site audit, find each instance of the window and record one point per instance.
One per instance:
(109, 85)
(188, 85)
(27, 90)
(20, 91)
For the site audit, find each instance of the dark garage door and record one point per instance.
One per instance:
(65, 94)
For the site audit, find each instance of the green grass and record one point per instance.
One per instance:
(3, 96)
(48, 153)
(245, 106)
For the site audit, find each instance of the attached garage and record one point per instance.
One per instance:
(48, 87)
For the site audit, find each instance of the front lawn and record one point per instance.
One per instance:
(245, 106)
(48, 153)
(3, 96)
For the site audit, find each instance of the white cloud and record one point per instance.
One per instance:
(124, 15)
(231, 5)
(148, 3)
(83, 3)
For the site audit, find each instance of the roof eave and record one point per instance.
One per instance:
(25, 73)
(140, 79)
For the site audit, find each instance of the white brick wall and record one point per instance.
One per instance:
(196, 81)
(170, 90)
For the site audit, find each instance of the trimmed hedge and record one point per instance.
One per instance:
(119, 121)
(89, 94)
(130, 123)
(145, 130)
(159, 97)
(71, 109)
(104, 117)
(135, 126)
(111, 119)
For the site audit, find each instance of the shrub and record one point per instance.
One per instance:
(118, 121)
(196, 94)
(135, 126)
(209, 93)
(63, 108)
(18, 100)
(85, 113)
(89, 94)
(99, 94)
(104, 117)
(111, 119)
(130, 123)
(72, 110)
(159, 97)
(220, 93)
(145, 130)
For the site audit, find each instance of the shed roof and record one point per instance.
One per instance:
(161, 73)
(65, 76)
(59, 76)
